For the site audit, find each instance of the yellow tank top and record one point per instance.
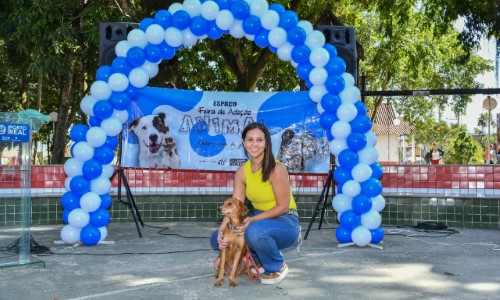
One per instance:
(261, 193)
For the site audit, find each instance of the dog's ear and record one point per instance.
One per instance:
(244, 208)
(162, 116)
(134, 123)
(159, 123)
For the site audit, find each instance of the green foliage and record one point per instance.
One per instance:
(464, 150)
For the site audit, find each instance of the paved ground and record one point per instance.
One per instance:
(176, 263)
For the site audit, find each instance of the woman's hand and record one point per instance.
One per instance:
(222, 242)
(240, 230)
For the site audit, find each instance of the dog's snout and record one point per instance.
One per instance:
(153, 137)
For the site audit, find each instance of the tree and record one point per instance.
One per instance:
(464, 150)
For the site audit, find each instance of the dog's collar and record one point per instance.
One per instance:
(232, 227)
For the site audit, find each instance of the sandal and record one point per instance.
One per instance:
(274, 278)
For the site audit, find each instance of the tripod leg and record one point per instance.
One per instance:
(131, 205)
(322, 198)
(325, 204)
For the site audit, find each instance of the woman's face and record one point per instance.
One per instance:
(255, 143)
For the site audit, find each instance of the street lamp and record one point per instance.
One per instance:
(489, 104)
(53, 118)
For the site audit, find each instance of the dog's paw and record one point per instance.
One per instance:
(232, 283)
(218, 283)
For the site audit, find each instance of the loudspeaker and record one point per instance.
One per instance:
(344, 39)
(110, 33)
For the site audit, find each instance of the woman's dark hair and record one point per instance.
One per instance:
(268, 162)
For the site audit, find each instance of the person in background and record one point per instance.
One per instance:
(435, 154)
(488, 155)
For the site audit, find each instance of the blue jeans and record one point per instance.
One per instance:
(266, 237)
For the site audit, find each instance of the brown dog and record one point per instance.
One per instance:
(231, 258)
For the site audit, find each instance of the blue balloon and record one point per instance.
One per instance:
(371, 188)
(167, 52)
(90, 235)
(106, 201)
(326, 120)
(377, 235)
(350, 219)
(181, 19)
(153, 53)
(163, 18)
(103, 109)
(331, 103)
(199, 26)
(251, 25)
(119, 100)
(332, 50)
(261, 38)
(296, 36)
(335, 84)
(377, 170)
(65, 215)
(304, 69)
(223, 4)
(288, 20)
(356, 141)
(79, 185)
(280, 9)
(342, 175)
(300, 54)
(214, 32)
(144, 24)
(78, 133)
(329, 135)
(309, 84)
(361, 107)
(348, 158)
(339, 188)
(92, 169)
(136, 56)
(273, 49)
(343, 234)
(99, 218)
(70, 201)
(103, 73)
(94, 121)
(132, 92)
(361, 204)
(361, 124)
(111, 142)
(104, 155)
(121, 65)
(335, 66)
(240, 9)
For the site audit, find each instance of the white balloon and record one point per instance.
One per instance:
(361, 172)
(138, 78)
(104, 233)
(351, 188)
(209, 10)
(319, 57)
(315, 39)
(224, 19)
(347, 112)
(378, 203)
(150, 68)
(258, 7)
(341, 203)
(317, 92)
(320, 108)
(90, 201)
(361, 236)
(192, 7)
(155, 34)
(73, 167)
(318, 76)
(175, 7)
(189, 38)
(371, 138)
(270, 19)
(83, 151)
(118, 82)
(100, 90)
(277, 37)
(87, 105)
(350, 94)
(306, 25)
(173, 37)
(107, 171)
(294, 64)
(371, 220)
(236, 29)
(285, 51)
(120, 115)
(137, 37)
(368, 155)
(121, 48)
(341, 130)
(101, 185)
(337, 145)
(111, 126)
(78, 218)
(250, 37)
(348, 79)
(67, 181)
(70, 234)
(96, 136)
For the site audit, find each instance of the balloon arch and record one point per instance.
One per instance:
(358, 201)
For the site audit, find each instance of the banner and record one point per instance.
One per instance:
(172, 128)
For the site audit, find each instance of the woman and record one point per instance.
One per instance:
(274, 224)
(436, 154)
